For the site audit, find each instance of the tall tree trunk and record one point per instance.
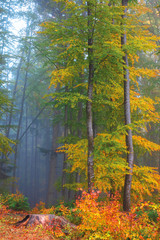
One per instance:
(79, 133)
(14, 94)
(26, 154)
(80, 108)
(65, 156)
(32, 167)
(21, 115)
(127, 114)
(89, 102)
(36, 163)
(51, 191)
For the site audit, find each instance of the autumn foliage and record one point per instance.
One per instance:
(97, 216)
(110, 165)
(103, 218)
(110, 149)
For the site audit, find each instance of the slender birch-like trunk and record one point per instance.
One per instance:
(64, 190)
(89, 102)
(127, 114)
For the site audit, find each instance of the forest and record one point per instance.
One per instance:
(80, 119)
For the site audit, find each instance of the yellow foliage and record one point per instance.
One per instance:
(5, 143)
(63, 76)
(110, 167)
(146, 144)
(38, 208)
(144, 107)
(145, 181)
(143, 72)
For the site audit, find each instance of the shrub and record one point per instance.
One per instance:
(105, 220)
(39, 208)
(153, 215)
(16, 202)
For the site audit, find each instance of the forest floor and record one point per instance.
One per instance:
(93, 219)
(9, 231)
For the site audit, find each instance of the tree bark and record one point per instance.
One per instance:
(26, 153)
(36, 165)
(20, 117)
(89, 102)
(80, 109)
(127, 114)
(51, 192)
(64, 190)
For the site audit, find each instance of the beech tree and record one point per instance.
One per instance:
(127, 114)
(99, 57)
(89, 110)
(83, 61)
(93, 45)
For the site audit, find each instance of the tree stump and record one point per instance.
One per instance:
(44, 219)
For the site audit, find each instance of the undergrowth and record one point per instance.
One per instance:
(95, 218)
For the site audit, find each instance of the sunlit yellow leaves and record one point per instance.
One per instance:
(106, 162)
(142, 42)
(109, 165)
(66, 98)
(48, 28)
(146, 179)
(142, 72)
(144, 143)
(112, 92)
(133, 58)
(63, 76)
(144, 107)
(77, 155)
(5, 145)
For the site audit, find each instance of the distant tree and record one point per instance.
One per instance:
(5, 102)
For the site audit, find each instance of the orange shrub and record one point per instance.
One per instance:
(105, 220)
